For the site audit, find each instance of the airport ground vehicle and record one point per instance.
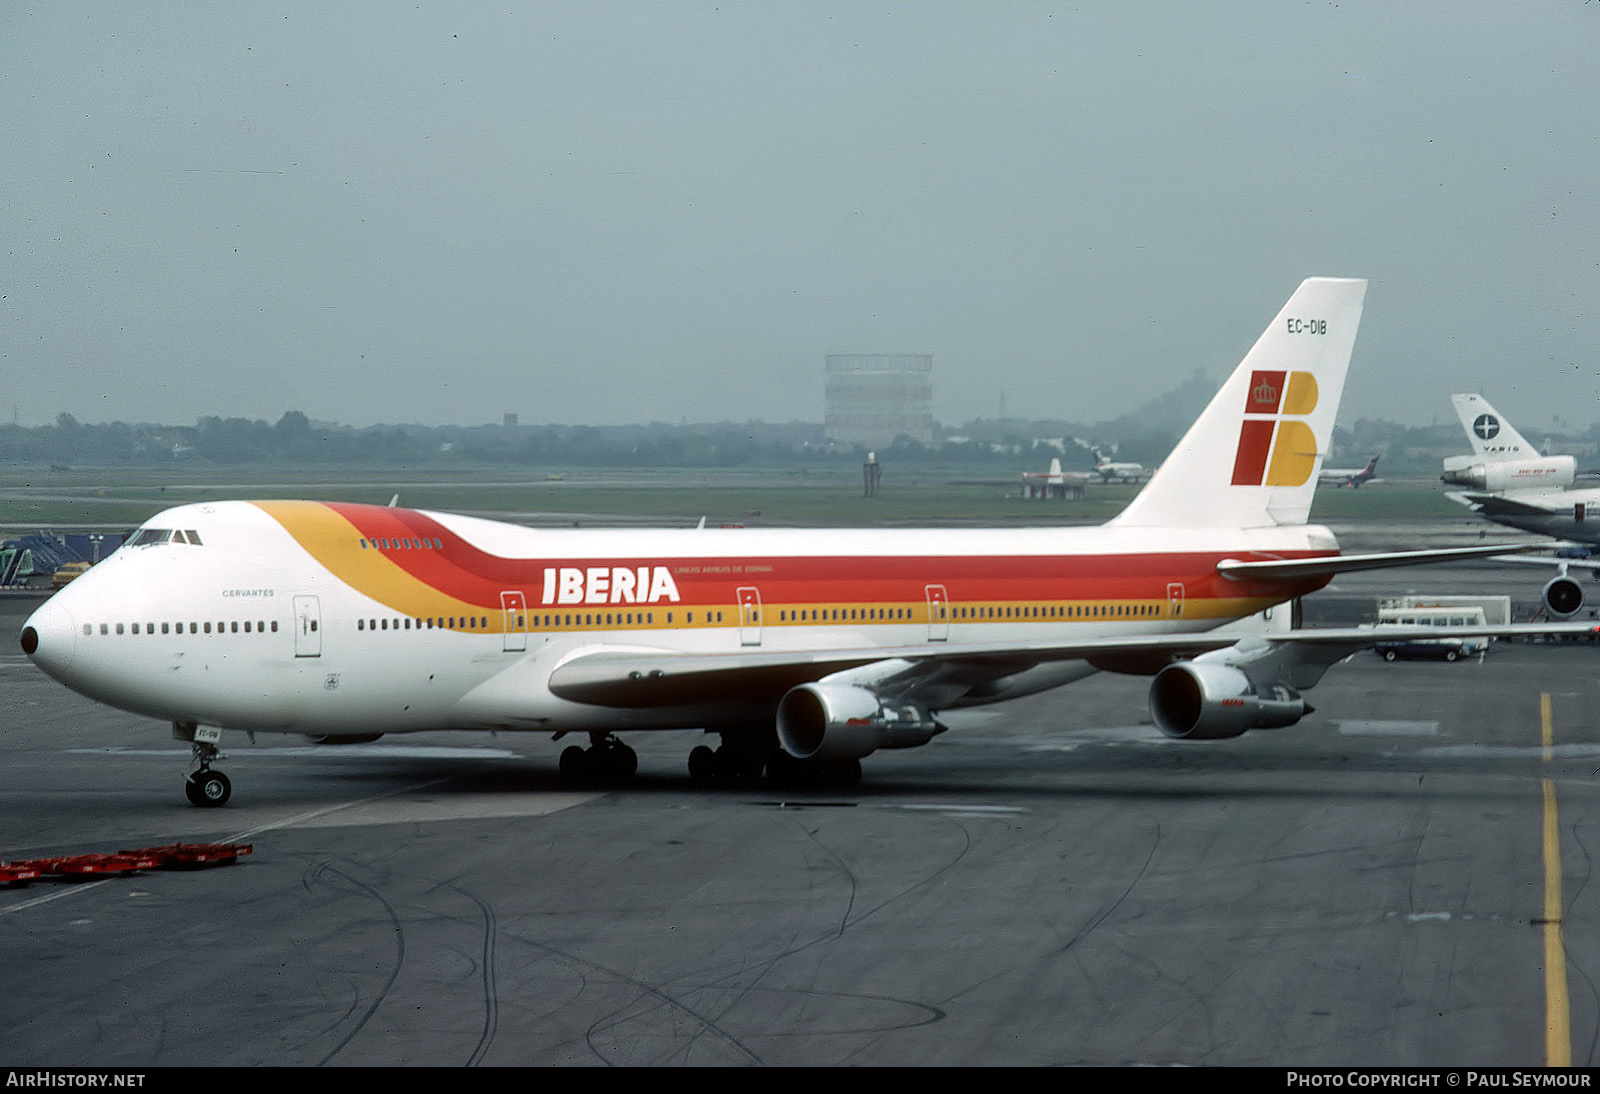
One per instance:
(1424, 611)
(1429, 649)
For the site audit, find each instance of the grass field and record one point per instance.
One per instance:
(126, 498)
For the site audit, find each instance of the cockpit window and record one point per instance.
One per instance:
(150, 537)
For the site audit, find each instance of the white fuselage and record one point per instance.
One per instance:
(307, 618)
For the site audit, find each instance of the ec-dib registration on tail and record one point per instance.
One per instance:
(1252, 457)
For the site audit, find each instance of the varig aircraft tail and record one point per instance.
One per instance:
(1251, 459)
(1491, 436)
(1502, 460)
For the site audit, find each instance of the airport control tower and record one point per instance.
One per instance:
(872, 398)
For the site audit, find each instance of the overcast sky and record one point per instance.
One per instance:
(623, 212)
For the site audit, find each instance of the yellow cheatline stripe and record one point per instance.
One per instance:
(1558, 1016)
(336, 543)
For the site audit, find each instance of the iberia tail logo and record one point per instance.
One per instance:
(1276, 447)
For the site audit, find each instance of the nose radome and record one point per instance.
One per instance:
(49, 637)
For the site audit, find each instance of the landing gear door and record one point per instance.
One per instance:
(749, 616)
(938, 613)
(515, 607)
(307, 626)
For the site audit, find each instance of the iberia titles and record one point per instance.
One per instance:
(608, 585)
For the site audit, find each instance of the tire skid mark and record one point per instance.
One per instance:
(586, 966)
(491, 990)
(847, 920)
(325, 870)
(1133, 882)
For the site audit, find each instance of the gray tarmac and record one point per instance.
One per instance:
(1052, 882)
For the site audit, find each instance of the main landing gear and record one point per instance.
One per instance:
(205, 786)
(741, 761)
(727, 765)
(606, 761)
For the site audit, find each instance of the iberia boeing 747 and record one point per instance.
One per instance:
(802, 650)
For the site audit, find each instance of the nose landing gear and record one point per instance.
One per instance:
(204, 786)
(207, 787)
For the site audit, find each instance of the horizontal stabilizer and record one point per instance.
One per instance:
(1340, 564)
(1500, 504)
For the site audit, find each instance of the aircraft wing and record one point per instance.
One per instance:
(666, 678)
(649, 678)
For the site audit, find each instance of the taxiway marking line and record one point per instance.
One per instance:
(1557, 1012)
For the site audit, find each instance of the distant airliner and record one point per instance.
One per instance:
(1054, 483)
(802, 650)
(1515, 484)
(1111, 470)
(1349, 476)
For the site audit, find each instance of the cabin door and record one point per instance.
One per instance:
(307, 626)
(515, 607)
(749, 616)
(938, 613)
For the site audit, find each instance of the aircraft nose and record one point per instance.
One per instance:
(49, 637)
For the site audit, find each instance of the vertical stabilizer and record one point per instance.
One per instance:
(1491, 436)
(1252, 457)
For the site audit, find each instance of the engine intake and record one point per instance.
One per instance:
(1198, 701)
(842, 722)
(1562, 596)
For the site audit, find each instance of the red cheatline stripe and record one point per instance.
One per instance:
(468, 574)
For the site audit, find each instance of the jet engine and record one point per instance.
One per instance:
(833, 722)
(1562, 596)
(342, 738)
(1551, 472)
(1207, 701)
